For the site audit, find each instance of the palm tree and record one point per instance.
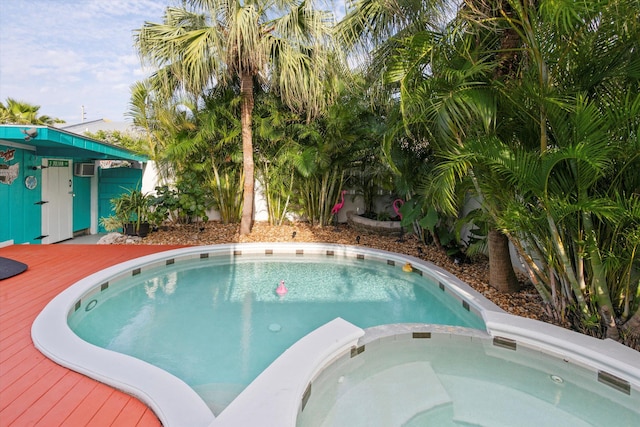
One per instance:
(517, 77)
(582, 92)
(218, 141)
(554, 167)
(166, 124)
(333, 146)
(575, 220)
(23, 113)
(213, 42)
(443, 95)
(277, 151)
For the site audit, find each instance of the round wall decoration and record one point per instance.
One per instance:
(31, 182)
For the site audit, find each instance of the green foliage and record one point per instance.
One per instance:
(340, 148)
(23, 113)
(185, 204)
(443, 230)
(122, 139)
(111, 223)
(226, 42)
(219, 142)
(535, 111)
(277, 151)
(130, 207)
(164, 206)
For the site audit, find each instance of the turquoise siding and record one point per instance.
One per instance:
(20, 217)
(81, 203)
(112, 183)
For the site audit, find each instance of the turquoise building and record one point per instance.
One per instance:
(56, 184)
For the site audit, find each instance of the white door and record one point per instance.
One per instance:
(57, 192)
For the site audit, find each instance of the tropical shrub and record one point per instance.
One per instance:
(533, 107)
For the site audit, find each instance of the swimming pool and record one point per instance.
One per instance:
(217, 324)
(433, 378)
(276, 394)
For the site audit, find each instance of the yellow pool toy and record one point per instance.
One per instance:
(407, 268)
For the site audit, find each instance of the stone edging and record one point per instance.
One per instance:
(366, 225)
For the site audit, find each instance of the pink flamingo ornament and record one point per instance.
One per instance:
(281, 289)
(397, 204)
(336, 208)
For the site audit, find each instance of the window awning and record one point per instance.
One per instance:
(47, 141)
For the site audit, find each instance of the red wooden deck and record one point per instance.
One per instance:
(33, 389)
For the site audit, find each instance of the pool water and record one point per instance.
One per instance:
(217, 324)
(458, 381)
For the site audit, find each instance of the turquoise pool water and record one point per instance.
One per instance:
(461, 381)
(217, 324)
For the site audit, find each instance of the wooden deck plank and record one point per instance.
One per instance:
(15, 325)
(38, 293)
(48, 400)
(30, 395)
(57, 415)
(148, 419)
(84, 413)
(27, 312)
(131, 414)
(34, 390)
(111, 409)
(24, 356)
(20, 379)
(17, 345)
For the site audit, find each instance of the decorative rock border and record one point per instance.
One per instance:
(366, 225)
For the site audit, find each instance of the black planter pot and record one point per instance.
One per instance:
(144, 229)
(130, 229)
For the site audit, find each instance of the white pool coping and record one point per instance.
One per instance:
(274, 398)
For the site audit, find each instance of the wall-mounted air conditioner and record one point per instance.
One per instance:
(83, 169)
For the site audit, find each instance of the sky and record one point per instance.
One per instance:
(65, 54)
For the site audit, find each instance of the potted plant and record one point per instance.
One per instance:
(111, 223)
(132, 209)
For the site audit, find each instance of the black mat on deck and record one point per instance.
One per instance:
(9, 267)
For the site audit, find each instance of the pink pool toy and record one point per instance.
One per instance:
(281, 289)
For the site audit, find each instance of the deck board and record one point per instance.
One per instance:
(57, 415)
(33, 389)
(47, 400)
(44, 377)
(83, 415)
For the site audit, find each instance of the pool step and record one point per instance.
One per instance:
(479, 402)
(440, 416)
(390, 397)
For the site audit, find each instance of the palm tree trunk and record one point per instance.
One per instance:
(632, 331)
(246, 89)
(501, 274)
(599, 280)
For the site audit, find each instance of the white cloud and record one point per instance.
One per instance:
(62, 54)
(65, 54)
(132, 59)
